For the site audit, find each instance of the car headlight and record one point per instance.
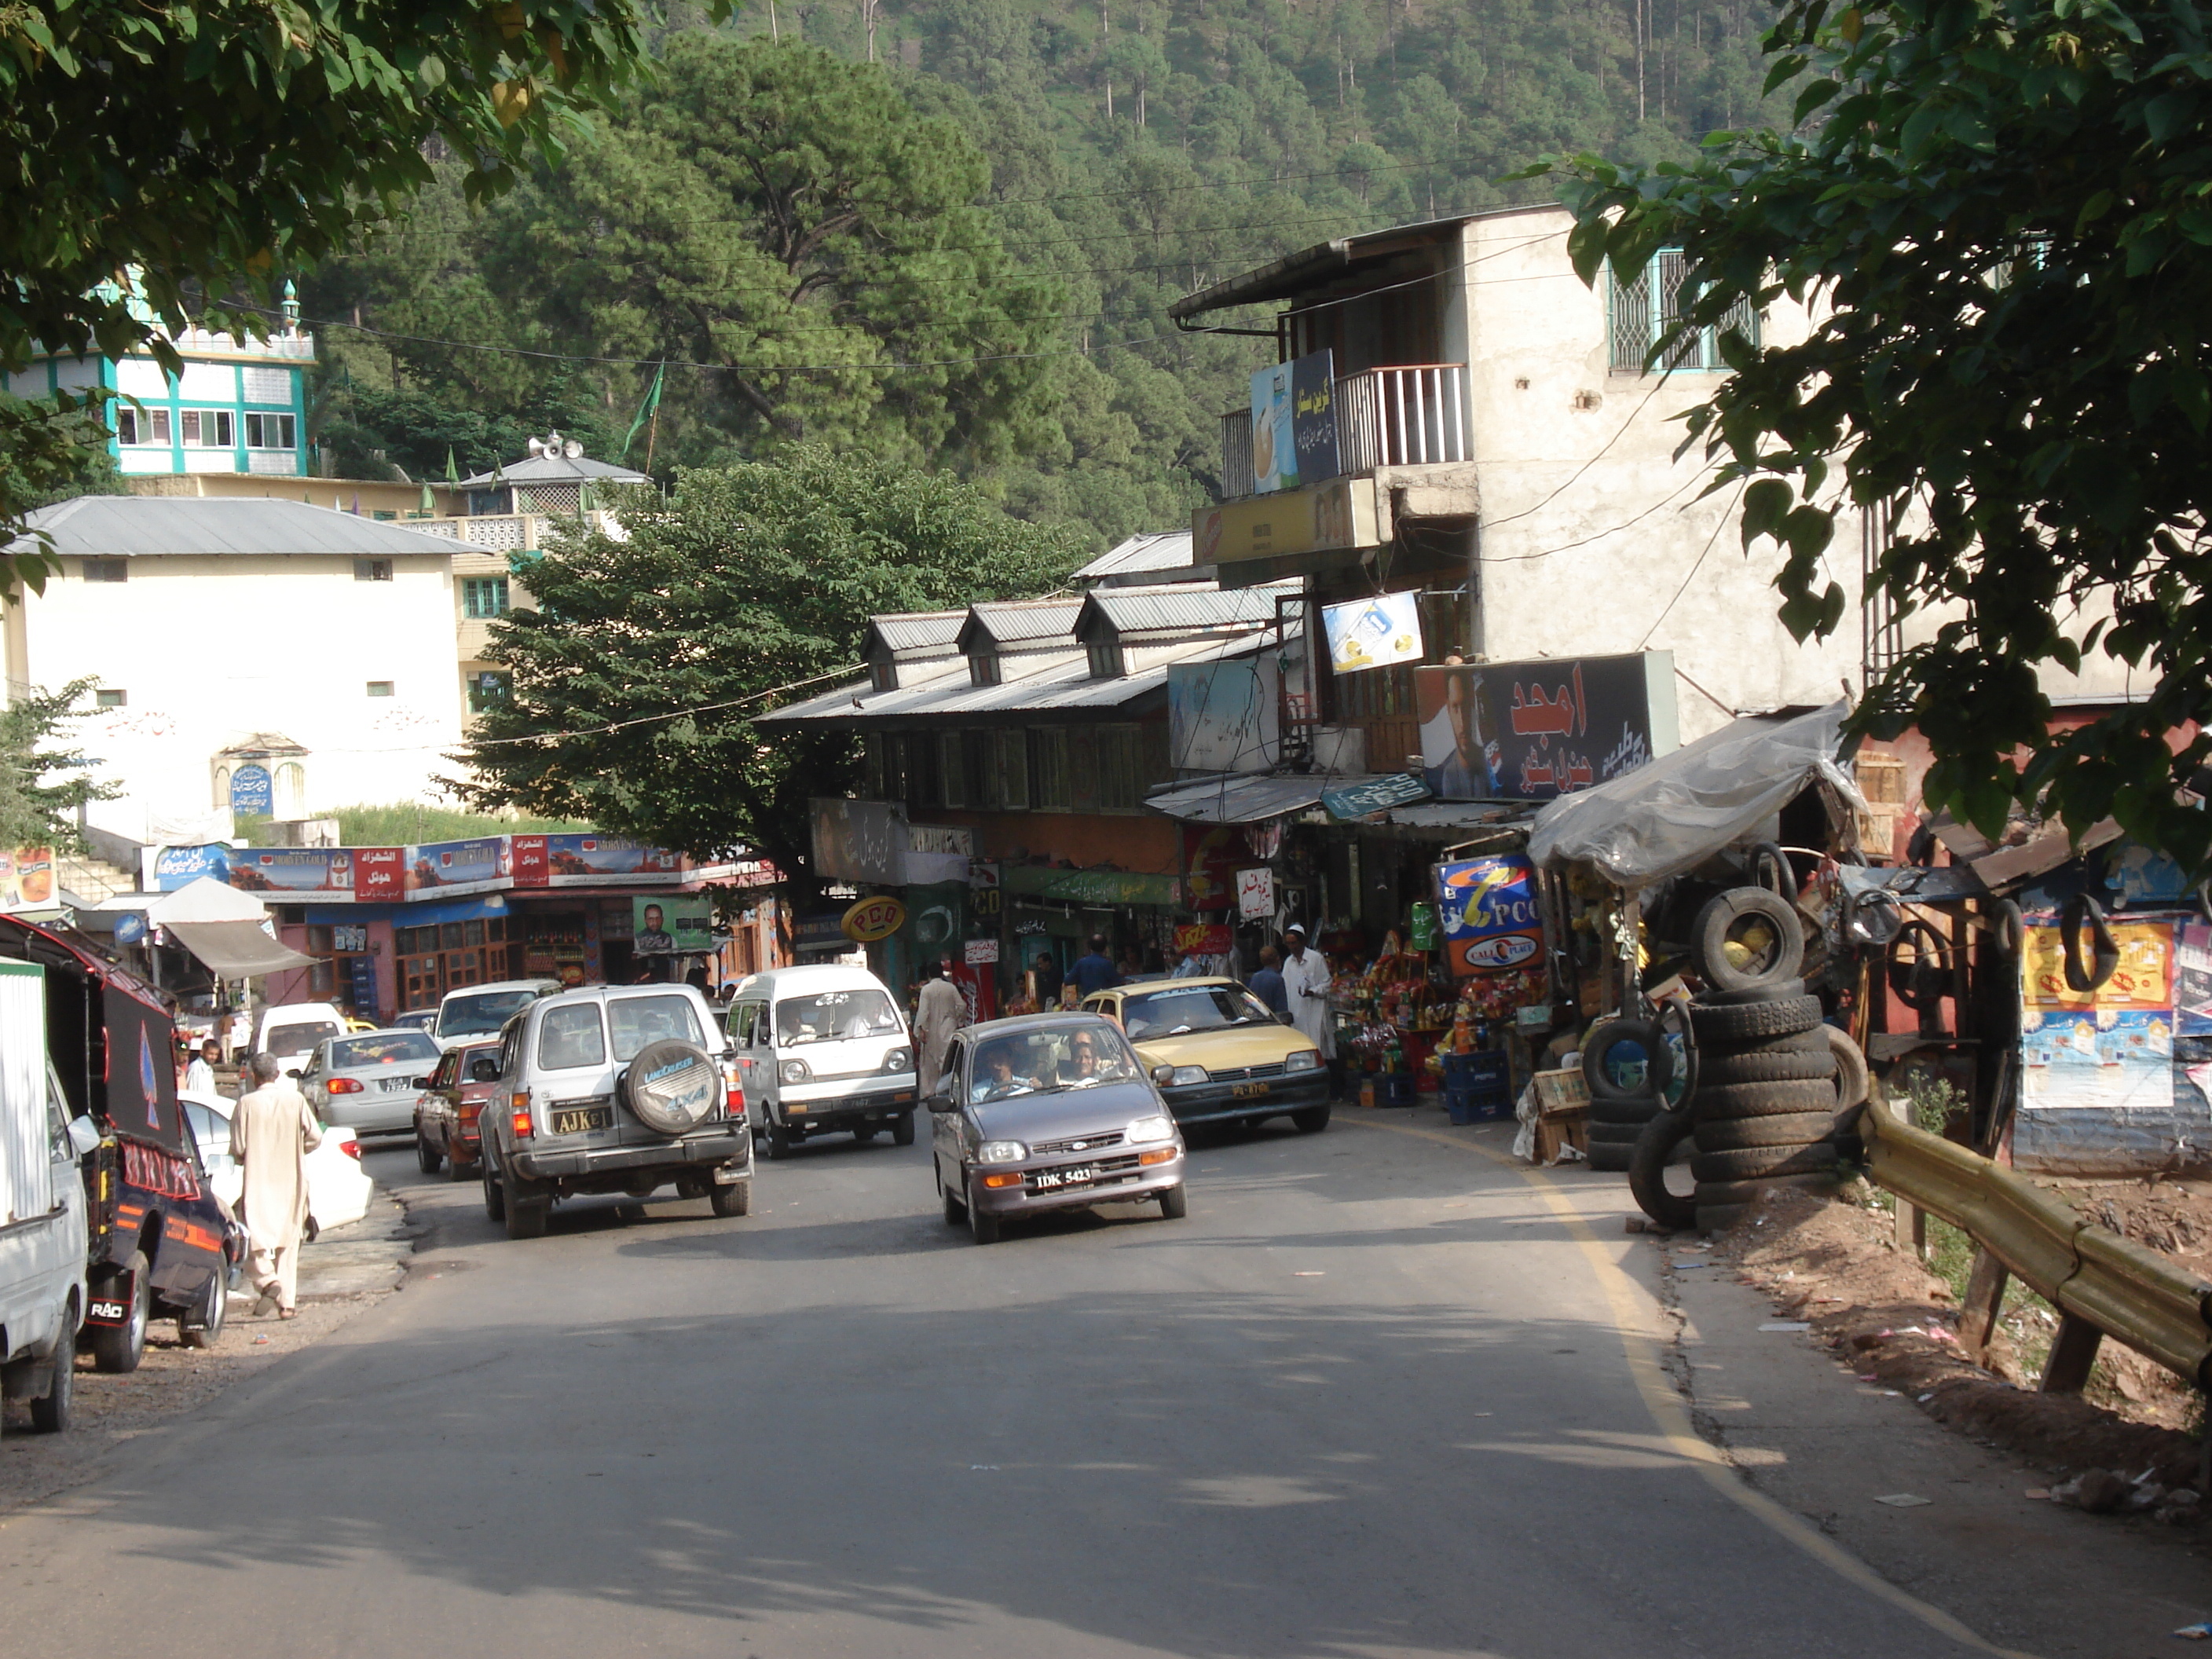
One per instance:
(1147, 1129)
(1306, 1060)
(1001, 1151)
(794, 1071)
(1187, 1074)
(899, 1059)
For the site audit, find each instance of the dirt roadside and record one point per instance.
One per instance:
(345, 1271)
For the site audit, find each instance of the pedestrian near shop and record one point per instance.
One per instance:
(1048, 980)
(938, 1012)
(271, 1133)
(1267, 983)
(199, 1076)
(1094, 972)
(1305, 986)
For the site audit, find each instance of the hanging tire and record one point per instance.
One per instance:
(1852, 1077)
(903, 1129)
(1791, 1129)
(204, 1327)
(1747, 938)
(2104, 961)
(734, 1200)
(1771, 871)
(1920, 980)
(1749, 1192)
(1719, 1218)
(1758, 1070)
(1762, 1162)
(1738, 1100)
(51, 1411)
(118, 1349)
(1647, 1171)
(1735, 1024)
(1608, 1035)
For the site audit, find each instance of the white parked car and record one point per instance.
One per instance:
(479, 1010)
(290, 1031)
(337, 1186)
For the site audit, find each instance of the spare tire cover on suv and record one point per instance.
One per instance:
(670, 1086)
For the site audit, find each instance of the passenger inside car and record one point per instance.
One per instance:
(996, 1079)
(1089, 1060)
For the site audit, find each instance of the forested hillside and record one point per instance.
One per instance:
(962, 251)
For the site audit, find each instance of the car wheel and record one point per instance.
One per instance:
(903, 1129)
(427, 1156)
(203, 1328)
(983, 1225)
(50, 1413)
(864, 1135)
(1175, 1203)
(736, 1199)
(525, 1217)
(779, 1140)
(494, 1193)
(956, 1212)
(1310, 1121)
(118, 1349)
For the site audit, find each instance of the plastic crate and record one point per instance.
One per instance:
(1478, 1105)
(1477, 1071)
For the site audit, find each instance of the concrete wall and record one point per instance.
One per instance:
(1584, 556)
(208, 649)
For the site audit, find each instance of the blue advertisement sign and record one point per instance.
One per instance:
(180, 866)
(253, 790)
(130, 928)
(1487, 909)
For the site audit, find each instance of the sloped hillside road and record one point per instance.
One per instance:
(1381, 1393)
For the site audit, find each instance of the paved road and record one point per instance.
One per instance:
(1368, 1398)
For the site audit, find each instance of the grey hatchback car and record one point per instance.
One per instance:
(370, 1081)
(1048, 1112)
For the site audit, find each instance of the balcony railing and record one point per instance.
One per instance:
(1408, 415)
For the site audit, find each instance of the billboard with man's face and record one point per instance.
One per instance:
(1531, 731)
(670, 927)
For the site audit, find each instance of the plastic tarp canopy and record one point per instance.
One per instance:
(236, 950)
(206, 900)
(1682, 808)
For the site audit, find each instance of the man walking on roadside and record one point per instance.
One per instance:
(271, 1133)
(1267, 983)
(1305, 987)
(938, 1012)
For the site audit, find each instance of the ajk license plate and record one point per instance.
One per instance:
(1249, 1091)
(583, 1120)
(1045, 1181)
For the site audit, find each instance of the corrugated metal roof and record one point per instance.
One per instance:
(1013, 622)
(144, 525)
(919, 631)
(1147, 551)
(1182, 606)
(555, 469)
(1241, 799)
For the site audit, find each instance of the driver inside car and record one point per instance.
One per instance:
(998, 1081)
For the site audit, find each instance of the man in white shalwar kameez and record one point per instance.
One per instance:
(941, 1011)
(271, 1133)
(1306, 983)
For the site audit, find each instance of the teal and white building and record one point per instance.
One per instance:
(240, 407)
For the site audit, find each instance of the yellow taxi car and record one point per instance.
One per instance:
(1218, 1054)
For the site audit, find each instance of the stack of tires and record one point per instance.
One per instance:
(1764, 1111)
(1627, 1064)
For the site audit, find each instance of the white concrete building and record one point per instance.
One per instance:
(261, 654)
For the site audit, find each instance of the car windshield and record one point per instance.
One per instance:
(421, 1020)
(637, 1021)
(1049, 1062)
(828, 1016)
(298, 1039)
(1191, 1008)
(486, 1010)
(383, 1049)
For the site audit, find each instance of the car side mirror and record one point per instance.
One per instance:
(419, 1083)
(939, 1101)
(1162, 1073)
(83, 1136)
(296, 1071)
(1286, 1018)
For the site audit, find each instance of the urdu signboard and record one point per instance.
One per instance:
(1531, 731)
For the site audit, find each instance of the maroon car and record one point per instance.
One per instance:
(445, 1117)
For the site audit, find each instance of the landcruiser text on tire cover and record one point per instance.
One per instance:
(613, 1089)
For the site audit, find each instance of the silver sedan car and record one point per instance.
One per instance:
(370, 1081)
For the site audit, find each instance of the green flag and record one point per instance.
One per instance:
(644, 409)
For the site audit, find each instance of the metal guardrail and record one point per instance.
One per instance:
(2130, 1294)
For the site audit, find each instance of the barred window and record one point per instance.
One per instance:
(1048, 779)
(483, 596)
(1014, 770)
(1642, 312)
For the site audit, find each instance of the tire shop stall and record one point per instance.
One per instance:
(1693, 907)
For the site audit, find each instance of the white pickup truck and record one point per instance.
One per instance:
(43, 1236)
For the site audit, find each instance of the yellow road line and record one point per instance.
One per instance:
(1672, 1418)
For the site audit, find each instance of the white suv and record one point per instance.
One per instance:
(613, 1089)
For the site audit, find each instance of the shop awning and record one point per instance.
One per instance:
(1245, 799)
(1681, 808)
(235, 950)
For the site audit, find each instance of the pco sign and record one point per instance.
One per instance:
(873, 918)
